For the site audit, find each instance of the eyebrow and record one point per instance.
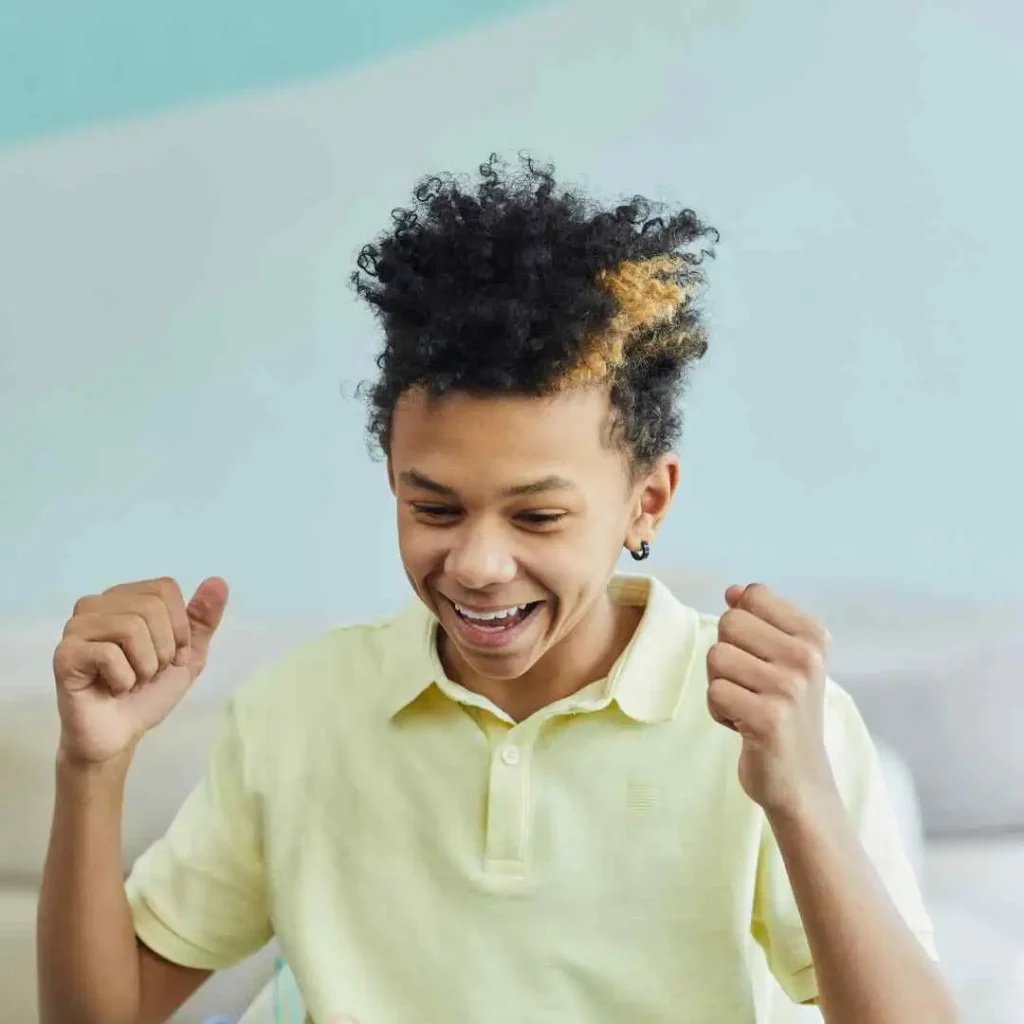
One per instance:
(413, 478)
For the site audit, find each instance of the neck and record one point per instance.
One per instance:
(584, 656)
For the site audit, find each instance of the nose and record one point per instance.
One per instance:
(480, 558)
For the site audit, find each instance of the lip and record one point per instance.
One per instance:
(489, 640)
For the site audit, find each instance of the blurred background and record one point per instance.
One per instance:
(183, 190)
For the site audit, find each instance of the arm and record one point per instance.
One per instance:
(767, 682)
(871, 968)
(92, 970)
(126, 659)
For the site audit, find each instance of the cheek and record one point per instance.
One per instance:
(572, 569)
(421, 549)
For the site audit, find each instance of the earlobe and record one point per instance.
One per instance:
(640, 536)
(641, 552)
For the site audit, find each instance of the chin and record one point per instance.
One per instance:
(500, 667)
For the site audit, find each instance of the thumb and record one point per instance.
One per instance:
(205, 611)
(733, 595)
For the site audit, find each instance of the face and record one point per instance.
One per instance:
(512, 512)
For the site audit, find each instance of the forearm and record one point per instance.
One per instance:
(871, 968)
(87, 952)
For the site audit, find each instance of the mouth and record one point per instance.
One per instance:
(493, 627)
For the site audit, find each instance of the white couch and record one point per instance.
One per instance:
(974, 880)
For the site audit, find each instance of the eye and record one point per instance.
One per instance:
(434, 513)
(541, 518)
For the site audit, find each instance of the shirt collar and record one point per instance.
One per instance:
(646, 681)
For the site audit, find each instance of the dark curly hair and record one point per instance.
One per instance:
(515, 285)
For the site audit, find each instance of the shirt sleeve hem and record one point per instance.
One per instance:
(802, 986)
(155, 934)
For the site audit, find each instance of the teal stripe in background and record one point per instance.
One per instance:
(69, 63)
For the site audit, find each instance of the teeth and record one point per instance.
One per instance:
(502, 613)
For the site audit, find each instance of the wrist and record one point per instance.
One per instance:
(70, 766)
(807, 808)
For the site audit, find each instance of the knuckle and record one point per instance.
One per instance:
(716, 703)
(160, 626)
(108, 653)
(117, 671)
(152, 609)
(715, 653)
(139, 640)
(727, 623)
(788, 688)
(133, 628)
(133, 618)
(823, 639)
(63, 657)
(169, 589)
(808, 658)
(84, 605)
(118, 646)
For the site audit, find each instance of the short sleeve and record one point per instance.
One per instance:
(198, 895)
(776, 920)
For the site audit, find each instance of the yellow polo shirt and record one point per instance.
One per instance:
(423, 859)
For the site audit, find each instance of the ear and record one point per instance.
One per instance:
(652, 498)
(391, 477)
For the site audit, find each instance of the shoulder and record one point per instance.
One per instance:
(846, 733)
(337, 676)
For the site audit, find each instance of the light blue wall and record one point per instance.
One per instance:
(68, 63)
(176, 326)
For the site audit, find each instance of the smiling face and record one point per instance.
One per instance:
(512, 512)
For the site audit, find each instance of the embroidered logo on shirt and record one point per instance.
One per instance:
(642, 796)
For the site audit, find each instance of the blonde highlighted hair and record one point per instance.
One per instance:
(654, 299)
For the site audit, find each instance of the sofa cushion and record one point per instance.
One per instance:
(983, 963)
(958, 727)
(18, 955)
(168, 763)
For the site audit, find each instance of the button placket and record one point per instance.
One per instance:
(508, 810)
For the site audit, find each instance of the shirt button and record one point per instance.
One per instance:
(510, 755)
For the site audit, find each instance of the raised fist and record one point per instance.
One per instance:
(127, 657)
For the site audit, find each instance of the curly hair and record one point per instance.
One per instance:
(517, 286)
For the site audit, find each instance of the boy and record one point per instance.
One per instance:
(545, 792)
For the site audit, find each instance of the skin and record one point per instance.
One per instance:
(466, 537)
(501, 501)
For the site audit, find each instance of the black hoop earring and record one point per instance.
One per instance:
(642, 553)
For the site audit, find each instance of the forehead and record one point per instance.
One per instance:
(504, 435)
